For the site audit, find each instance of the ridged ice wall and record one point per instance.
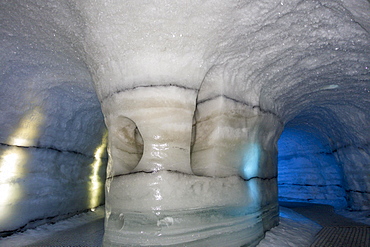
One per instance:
(194, 95)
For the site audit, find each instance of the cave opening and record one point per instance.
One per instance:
(308, 170)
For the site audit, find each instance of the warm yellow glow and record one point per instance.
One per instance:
(11, 169)
(13, 161)
(28, 129)
(8, 160)
(95, 180)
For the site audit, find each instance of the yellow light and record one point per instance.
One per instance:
(11, 169)
(8, 160)
(95, 180)
(28, 129)
(13, 160)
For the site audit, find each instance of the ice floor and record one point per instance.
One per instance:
(294, 230)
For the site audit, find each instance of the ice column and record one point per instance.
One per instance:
(183, 169)
(150, 130)
(176, 178)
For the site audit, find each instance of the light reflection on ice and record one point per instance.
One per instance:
(158, 195)
(96, 185)
(28, 129)
(11, 169)
(251, 161)
(254, 192)
(13, 160)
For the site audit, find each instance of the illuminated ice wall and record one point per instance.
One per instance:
(194, 96)
(51, 126)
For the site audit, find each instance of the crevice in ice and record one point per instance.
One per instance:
(348, 13)
(148, 172)
(312, 185)
(260, 178)
(145, 86)
(294, 156)
(187, 174)
(351, 145)
(41, 221)
(241, 102)
(358, 191)
(50, 148)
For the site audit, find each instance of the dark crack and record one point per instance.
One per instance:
(145, 86)
(50, 148)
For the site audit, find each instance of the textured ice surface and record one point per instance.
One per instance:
(304, 62)
(171, 208)
(294, 230)
(45, 231)
(51, 122)
(150, 129)
(356, 168)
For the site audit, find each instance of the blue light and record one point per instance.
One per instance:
(251, 160)
(308, 169)
(254, 193)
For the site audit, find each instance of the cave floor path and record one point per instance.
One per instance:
(337, 230)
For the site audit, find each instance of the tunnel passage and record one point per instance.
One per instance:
(319, 159)
(307, 168)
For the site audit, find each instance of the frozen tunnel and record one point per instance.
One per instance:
(210, 87)
(308, 170)
(307, 141)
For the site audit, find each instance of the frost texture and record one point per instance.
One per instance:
(295, 64)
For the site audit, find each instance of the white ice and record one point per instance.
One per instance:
(294, 230)
(305, 61)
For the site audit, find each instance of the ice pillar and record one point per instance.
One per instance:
(175, 178)
(183, 169)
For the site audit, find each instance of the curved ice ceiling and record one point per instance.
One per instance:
(304, 62)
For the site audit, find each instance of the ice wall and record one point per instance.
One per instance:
(318, 58)
(355, 162)
(51, 123)
(246, 68)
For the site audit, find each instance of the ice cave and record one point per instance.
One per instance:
(186, 122)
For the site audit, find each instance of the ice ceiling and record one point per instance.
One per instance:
(304, 63)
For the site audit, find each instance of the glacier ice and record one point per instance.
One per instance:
(194, 95)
